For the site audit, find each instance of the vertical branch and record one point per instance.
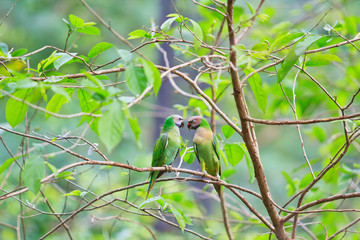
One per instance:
(249, 136)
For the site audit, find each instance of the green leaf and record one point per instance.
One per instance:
(227, 131)
(321, 59)
(63, 58)
(294, 54)
(228, 172)
(189, 157)
(139, 33)
(48, 62)
(179, 217)
(15, 110)
(319, 133)
(89, 105)
(135, 79)
(167, 24)
(152, 74)
(89, 30)
(57, 100)
(66, 175)
(284, 39)
(290, 182)
(99, 48)
(125, 55)
(8, 162)
(19, 52)
(73, 193)
(198, 33)
(4, 49)
(234, 153)
(301, 47)
(76, 21)
(112, 125)
(34, 170)
(251, 8)
(248, 162)
(134, 125)
(154, 199)
(308, 178)
(52, 168)
(256, 86)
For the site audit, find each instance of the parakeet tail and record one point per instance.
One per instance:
(151, 184)
(224, 210)
(217, 188)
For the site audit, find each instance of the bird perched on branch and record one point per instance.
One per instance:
(166, 147)
(206, 147)
(207, 151)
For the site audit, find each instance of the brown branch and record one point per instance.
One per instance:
(344, 228)
(127, 220)
(48, 112)
(7, 14)
(252, 20)
(249, 136)
(299, 210)
(310, 121)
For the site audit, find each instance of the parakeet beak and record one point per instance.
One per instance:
(181, 124)
(189, 126)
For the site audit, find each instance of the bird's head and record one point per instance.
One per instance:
(194, 122)
(178, 120)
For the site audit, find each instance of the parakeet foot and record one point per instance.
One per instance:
(168, 168)
(218, 177)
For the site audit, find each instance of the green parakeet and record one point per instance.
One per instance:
(207, 151)
(166, 147)
(206, 147)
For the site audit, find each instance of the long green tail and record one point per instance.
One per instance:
(152, 182)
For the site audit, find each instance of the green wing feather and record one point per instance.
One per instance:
(159, 149)
(216, 147)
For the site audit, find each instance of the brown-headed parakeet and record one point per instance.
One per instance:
(207, 151)
(206, 147)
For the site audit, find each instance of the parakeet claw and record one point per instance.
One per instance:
(204, 174)
(218, 177)
(168, 168)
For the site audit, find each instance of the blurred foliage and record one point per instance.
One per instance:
(124, 132)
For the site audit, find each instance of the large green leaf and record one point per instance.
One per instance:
(111, 126)
(234, 153)
(321, 59)
(64, 58)
(227, 131)
(256, 86)
(76, 21)
(152, 74)
(15, 110)
(199, 36)
(34, 171)
(296, 51)
(248, 162)
(134, 125)
(126, 56)
(99, 48)
(167, 24)
(8, 162)
(57, 101)
(135, 79)
(89, 105)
